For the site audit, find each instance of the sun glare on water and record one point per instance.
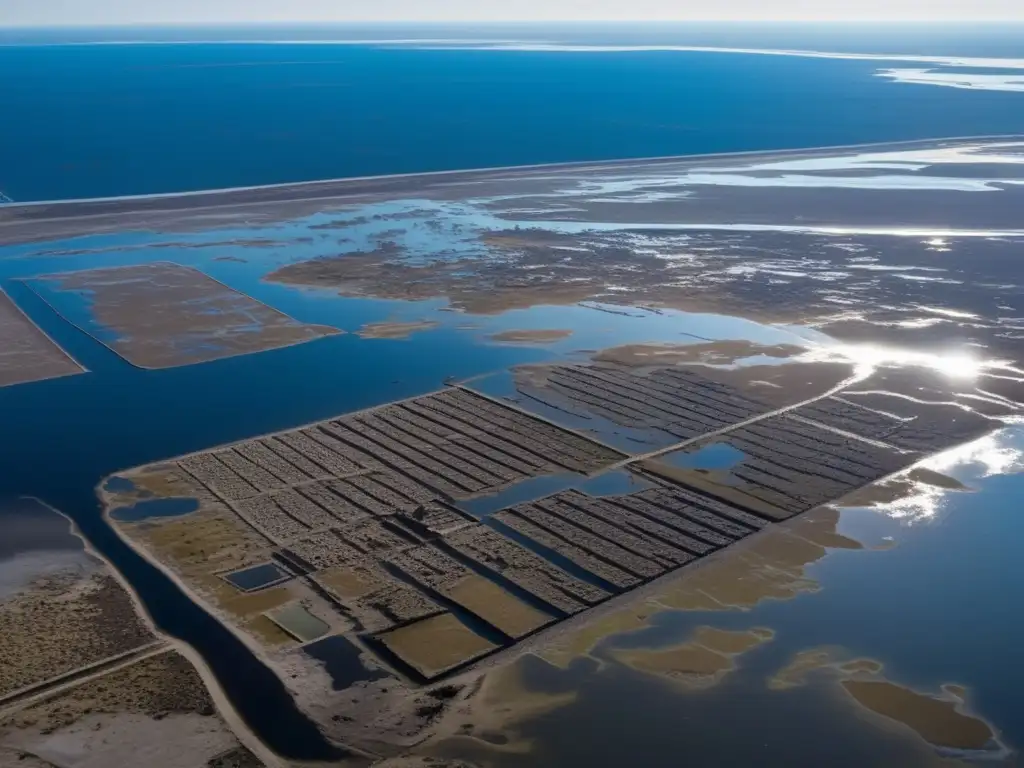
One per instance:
(867, 358)
(995, 454)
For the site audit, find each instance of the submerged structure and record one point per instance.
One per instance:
(362, 526)
(548, 393)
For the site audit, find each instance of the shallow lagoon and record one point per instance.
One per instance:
(148, 508)
(884, 587)
(63, 436)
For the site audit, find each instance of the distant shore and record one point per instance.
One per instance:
(576, 165)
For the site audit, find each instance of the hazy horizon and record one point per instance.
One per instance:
(58, 13)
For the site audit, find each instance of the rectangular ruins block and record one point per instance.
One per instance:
(304, 510)
(374, 537)
(579, 533)
(263, 514)
(632, 517)
(671, 401)
(932, 428)
(446, 575)
(373, 597)
(334, 464)
(525, 569)
(788, 466)
(215, 475)
(323, 496)
(643, 515)
(253, 474)
(519, 520)
(305, 465)
(434, 519)
(259, 454)
(659, 553)
(436, 645)
(726, 518)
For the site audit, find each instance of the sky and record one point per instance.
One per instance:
(77, 12)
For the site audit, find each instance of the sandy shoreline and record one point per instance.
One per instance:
(223, 705)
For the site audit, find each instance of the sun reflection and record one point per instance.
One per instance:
(939, 244)
(867, 358)
(994, 454)
(922, 503)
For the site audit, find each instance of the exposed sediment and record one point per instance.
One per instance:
(153, 712)
(940, 719)
(26, 353)
(530, 336)
(360, 516)
(162, 315)
(61, 611)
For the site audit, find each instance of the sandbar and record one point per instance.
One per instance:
(939, 719)
(531, 337)
(701, 662)
(935, 720)
(394, 330)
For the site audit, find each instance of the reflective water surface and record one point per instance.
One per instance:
(789, 274)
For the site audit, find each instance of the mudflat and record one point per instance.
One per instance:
(163, 315)
(26, 353)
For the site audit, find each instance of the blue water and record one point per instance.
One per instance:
(144, 510)
(257, 577)
(928, 625)
(343, 662)
(100, 120)
(119, 485)
(614, 483)
(717, 456)
(84, 121)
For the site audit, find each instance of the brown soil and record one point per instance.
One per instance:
(26, 353)
(493, 604)
(154, 712)
(436, 644)
(796, 672)
(531, 337)
(150, 308)
(935, 720)
(394, 330)
(156, 686)
(346, 582)
(65, 621)
(771, 566)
